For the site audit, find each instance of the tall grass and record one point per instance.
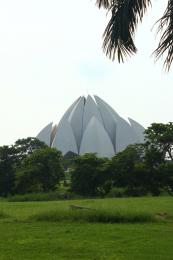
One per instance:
(100, 216)
(3, 215)
(49, 196)
(123, 210)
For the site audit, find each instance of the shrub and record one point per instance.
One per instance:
(44, 196)
(117, 192)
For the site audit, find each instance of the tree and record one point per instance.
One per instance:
(123, 166)
(11, 158)
(120, 31)
(40, 172)
(26, 146)
(67, 159)
(166, 172)
(147, 180)
(159, 142)
(130, 171)
(90, 175)
(7, 170)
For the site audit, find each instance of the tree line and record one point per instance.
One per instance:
(31, 166)
(139, 169)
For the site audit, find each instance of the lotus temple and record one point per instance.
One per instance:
(90, 125)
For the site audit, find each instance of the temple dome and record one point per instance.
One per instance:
(91, 125)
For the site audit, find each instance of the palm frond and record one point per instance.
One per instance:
(166, 40)
(119, 33)
(104, 3)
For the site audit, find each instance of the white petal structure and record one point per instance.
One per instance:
(76, 120)
(64, 139)
(96, 140)
(45, 134)
(90, 125)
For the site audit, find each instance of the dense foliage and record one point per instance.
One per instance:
(90, 175)
(140, 169)
(30, 166)
(41, 171)
(7, 172)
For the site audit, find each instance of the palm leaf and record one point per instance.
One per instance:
(105, 3)
(166, 40)
(119, 33)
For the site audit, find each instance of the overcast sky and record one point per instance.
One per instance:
(51, 53)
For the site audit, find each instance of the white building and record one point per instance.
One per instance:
(91, 125)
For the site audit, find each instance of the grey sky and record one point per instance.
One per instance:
(51, 53)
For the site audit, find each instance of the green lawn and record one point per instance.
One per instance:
(24, 233)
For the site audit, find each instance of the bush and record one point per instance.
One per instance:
(136, 191)
(117, 192)
(49, 196)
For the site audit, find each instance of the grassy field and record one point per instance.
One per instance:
(127, 228)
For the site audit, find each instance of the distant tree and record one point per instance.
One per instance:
(40, 171)
(130, 171)
(7, 170)
(67, 159)
(26, 146)
(153, 156)
(123, 165)
(120, 31)
(11, 158)
(146, 180)
(159, 142)
(166, 173)
(90, 175)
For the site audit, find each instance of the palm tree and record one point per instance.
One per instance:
(119, 33)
